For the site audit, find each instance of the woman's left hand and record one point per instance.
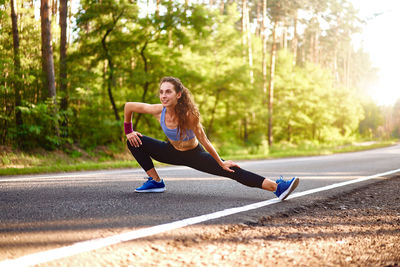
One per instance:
(228, 164)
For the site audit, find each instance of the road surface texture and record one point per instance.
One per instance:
(353, 225)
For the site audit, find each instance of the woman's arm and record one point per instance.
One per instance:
(137, 107)
(131, 107)
(201, 136)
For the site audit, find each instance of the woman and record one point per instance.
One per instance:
(180, 121)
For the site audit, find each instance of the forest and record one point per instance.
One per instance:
(261, 72)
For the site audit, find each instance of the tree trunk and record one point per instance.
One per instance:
(245, 133)
(334, 65)
(104, 86)
(47, 50)
(69, 24)
(284, 37)
(222, 7)
(110, 79)
(264, 49)
(335, 52)
(295, 40)
(316, 47)
(271, 83)
(250, 51)
(47, 58)
(348, 66)
(310, 56)
(214, 109)
(259, 19)
(17, 64)
(243, 29)
(54, 7)
(158, 7)
(146, 85)
(63, 54)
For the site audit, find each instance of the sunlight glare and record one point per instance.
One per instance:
(381, 40)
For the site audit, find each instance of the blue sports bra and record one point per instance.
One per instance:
(173, 133)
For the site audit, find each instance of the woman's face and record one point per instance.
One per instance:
(168, 95)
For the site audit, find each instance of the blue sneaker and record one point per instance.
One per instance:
(286, 187)
(151, 186)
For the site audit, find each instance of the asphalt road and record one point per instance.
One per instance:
(41, 212)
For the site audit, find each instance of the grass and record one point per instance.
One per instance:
(17, 162)
(41, 161)
(305, 149)
(83, 166)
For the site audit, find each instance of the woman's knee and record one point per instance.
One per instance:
(130, 147)
(142, 138)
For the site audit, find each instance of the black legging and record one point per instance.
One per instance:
(196, 158)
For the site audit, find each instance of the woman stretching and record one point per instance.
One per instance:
(180, 121)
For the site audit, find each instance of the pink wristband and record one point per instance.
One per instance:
(128, 127)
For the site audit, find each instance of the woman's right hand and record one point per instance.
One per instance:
(226, 165)
(134, 139)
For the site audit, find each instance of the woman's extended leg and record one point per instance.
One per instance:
(201, 160)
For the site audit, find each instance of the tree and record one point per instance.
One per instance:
(271, 82)
(395, 120)
(63, 54)
(276, 14)
(264, 48)
(372, 119)
(17, 64)
(47, 50)
(102, 26)
(335, 41)
(246, 38)
(118, 53)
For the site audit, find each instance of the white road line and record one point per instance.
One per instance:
(85, 246)
(83, 174)
(328, 187)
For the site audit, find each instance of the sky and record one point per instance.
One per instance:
(381, 39)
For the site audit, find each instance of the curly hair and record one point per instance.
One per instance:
(186, 110)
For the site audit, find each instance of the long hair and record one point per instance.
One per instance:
(186, 110)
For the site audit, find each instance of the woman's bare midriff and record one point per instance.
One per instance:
(184, 145)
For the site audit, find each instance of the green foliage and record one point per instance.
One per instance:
(119, 53)
(373, 118)
(396, 118)
(39, 126)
